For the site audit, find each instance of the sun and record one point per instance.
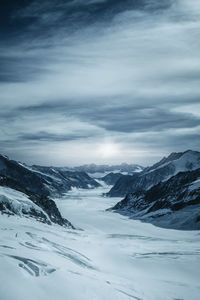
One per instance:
(108, 150)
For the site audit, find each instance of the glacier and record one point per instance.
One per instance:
(108, 256)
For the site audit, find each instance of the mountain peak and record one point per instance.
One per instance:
(173, 157)
(167, 167)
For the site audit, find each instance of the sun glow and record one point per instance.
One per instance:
(108, 150)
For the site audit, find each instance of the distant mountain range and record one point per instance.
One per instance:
(122, 168)
(166, 194)
(111, 178)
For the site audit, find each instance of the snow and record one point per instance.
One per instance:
(182, 219)
(41, 173)
(18, 201)
(195, 185)
(138, 170)
(190, 160)
(100, 175)
(109, 257)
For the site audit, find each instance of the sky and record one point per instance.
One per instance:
(103, 81)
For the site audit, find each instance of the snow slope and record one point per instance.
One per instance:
(44, 181)
(188, 160)
(110, 257)
(174, 203)
(161, 171)
(14, 202)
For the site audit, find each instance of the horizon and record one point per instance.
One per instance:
(99, 81)
(96, 164)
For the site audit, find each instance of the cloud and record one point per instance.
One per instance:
(83, 71)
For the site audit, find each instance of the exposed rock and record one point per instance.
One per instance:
(45, 181)
(111, 178)
(174, 203)
(15, 199)
(162, 171)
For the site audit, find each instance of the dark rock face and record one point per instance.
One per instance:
(39, 184)
(166, 198)
(163, 170)
(13, 170)
(123, 186)
(64, 180)
(45, 181)
(6, 208)
(111, 178)
(49, 213)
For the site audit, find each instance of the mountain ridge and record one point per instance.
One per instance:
(161, 171)
(174, 203)
(45, 180)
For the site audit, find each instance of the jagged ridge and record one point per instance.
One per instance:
(48, 212)
(162, 171)
(161, 203)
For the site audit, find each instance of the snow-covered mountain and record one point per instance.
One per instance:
(26, 191)
(65, 179)
(111, 178)
(15, 199)
(46, 181)
(113, 257)
(174, 203)
(13, 202)
(161, 171)
(102, 170)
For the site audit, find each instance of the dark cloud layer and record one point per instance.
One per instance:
(118, 117)
(80, 74)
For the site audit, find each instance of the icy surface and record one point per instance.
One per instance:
(110, 257)
(19, 203)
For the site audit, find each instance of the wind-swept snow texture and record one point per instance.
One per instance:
(110, 257)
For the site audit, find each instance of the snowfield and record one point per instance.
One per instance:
(108, 256)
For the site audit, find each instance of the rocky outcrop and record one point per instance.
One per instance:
(174, 203)
(162, 171)
(15, 199)
(45, 181)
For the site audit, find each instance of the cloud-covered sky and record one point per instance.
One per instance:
(79, 76)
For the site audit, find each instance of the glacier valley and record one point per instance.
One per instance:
(108, 256)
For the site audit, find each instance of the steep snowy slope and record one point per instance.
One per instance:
(44, 180)
(13, 202)
(67, 179)
(16, 200)
(174, 203)
(162, 171)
